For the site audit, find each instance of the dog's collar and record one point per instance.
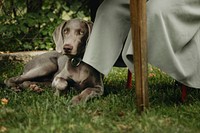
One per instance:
(75, 62)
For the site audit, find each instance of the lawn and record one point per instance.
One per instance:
(114, 112)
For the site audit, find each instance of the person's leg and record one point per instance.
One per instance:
(109, 32)
(173, 36)
(174, 39)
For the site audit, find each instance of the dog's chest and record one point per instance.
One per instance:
(79, 74)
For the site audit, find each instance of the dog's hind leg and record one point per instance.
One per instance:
(33, 74)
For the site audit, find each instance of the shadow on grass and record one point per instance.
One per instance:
(162, 89)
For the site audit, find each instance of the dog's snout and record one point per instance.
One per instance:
(67, 48)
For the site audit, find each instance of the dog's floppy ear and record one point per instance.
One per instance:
(89, 25)
(58, 38)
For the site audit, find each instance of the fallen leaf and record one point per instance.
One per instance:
(3, 129)
(4, 101)
(152, 75)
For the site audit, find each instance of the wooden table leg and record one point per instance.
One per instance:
(139, 37)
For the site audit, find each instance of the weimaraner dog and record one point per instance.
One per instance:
(64, 67)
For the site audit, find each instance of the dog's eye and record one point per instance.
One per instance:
(80, 32)
(66, 31)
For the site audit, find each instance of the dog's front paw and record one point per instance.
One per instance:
(59, 83)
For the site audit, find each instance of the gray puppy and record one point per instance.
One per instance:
(64, 66)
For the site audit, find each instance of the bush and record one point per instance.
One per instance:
(28, 25)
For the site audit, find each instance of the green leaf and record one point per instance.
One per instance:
(66, 8)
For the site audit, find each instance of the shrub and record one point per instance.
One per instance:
(28, 25)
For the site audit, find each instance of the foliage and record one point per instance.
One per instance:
(28, 25)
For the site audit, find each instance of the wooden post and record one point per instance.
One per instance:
(139, 37)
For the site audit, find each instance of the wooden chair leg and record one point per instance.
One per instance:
(183, 93)
(139, 35)
(129, 80)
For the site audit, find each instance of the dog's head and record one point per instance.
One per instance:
(71, 37)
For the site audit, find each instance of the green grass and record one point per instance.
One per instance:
(114, 112)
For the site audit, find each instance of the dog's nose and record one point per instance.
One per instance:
(67, 48)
